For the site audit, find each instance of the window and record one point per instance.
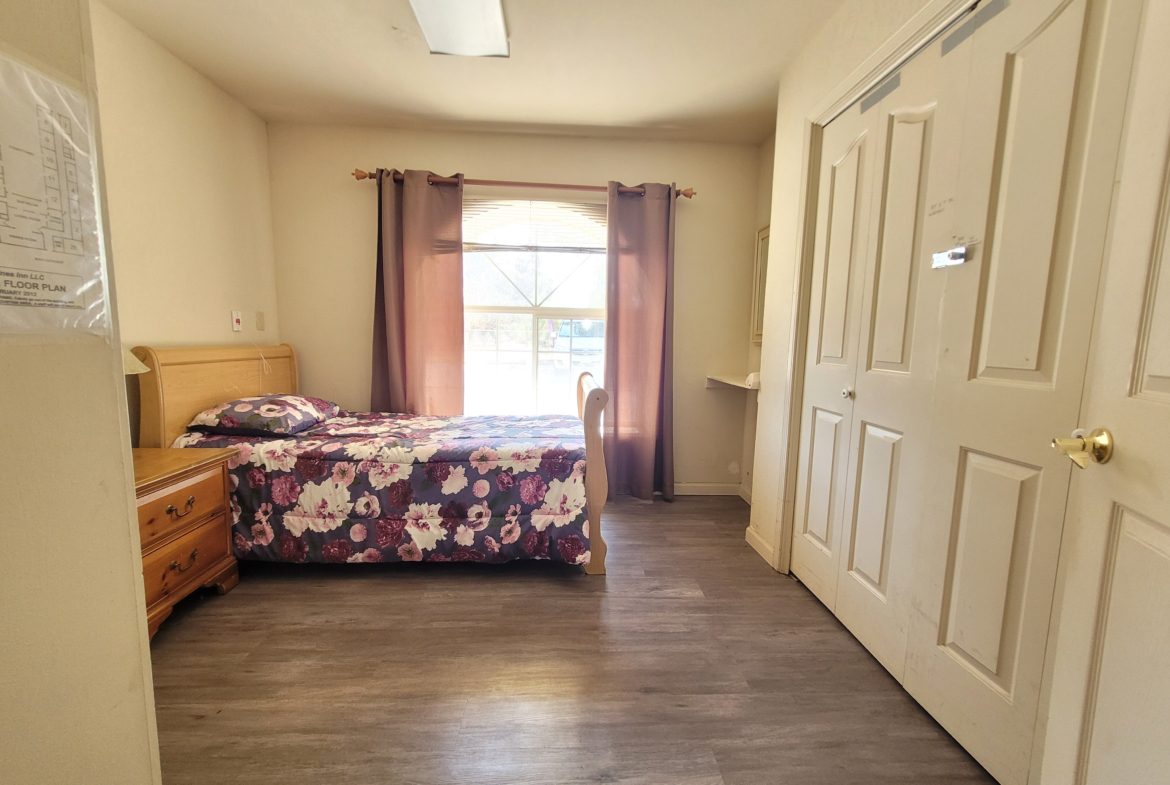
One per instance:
(533, 302)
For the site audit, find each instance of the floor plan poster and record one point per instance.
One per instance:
(52, 272)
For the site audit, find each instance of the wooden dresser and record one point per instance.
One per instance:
(185, 525)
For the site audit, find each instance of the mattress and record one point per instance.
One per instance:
(376, 487)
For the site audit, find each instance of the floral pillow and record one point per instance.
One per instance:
(264, 415)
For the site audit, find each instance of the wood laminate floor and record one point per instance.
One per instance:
(691, 663)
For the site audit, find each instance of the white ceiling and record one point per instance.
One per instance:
(678, 69)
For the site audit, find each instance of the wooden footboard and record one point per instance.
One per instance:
(591, 401)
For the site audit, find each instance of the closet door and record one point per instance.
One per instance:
(1110, 689)
(916, 128)
(840, 245)
(871, 406)
(1030, 203)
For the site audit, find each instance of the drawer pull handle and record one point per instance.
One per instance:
(173, 511)
(190, 562)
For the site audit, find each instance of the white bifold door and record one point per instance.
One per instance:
(1108, 720)
(962, 209)
(869, 368)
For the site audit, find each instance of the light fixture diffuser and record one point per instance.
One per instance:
(469, 28)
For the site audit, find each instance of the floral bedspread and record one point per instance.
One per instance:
(369, 487)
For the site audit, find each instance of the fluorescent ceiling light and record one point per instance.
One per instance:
(472, 28)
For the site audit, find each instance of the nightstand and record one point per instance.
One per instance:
(185, 525)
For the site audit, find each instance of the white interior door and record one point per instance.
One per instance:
(867, 418)
(916, 131)
(1031, 204)
(1109, 716)
(842, 232)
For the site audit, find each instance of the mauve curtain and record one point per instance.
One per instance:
(418, 299)
(639, 436)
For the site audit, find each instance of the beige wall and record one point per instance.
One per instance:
(76, 704)
(766, 163)
(325, 229)
(855, 31)
(187, 182)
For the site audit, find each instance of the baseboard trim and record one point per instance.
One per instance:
(745, 493)
(760, 546)
(706, 489)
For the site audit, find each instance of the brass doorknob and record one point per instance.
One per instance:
(1081, 447)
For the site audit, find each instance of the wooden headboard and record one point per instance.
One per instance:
(185, 380)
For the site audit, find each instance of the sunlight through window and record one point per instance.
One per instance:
(534, 303)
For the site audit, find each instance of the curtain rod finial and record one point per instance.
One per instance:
(687, 192)
(361, 174)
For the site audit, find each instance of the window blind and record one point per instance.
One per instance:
(530, 225)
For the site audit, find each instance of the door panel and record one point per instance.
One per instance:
(840, 245)
(896, 267)
(1152, 376)
(869, 300)
(873, 510)
(1127, 738)
(1013, 346)
(1034, 114)
(822, 478)
(1107, 680)
(986, 572)
(844, 182)
(897, 348)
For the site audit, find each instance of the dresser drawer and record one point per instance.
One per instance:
(180, 504)
(185, 560)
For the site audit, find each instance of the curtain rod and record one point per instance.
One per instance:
(362, 174)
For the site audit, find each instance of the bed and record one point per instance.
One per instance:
(363, 487)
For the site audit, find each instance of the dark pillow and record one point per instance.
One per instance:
(264, 415)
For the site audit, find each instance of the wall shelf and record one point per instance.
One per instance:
(728, 380)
